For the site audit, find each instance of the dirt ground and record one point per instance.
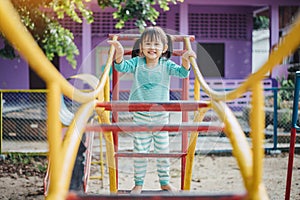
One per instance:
(211, 174)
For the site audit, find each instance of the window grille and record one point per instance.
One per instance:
(218, 25)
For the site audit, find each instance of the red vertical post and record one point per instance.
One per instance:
(293, 136)
(184, 137)
(290, 164)
(115, 117)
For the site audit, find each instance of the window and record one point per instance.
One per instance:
(210, 59)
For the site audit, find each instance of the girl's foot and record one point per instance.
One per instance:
(136, 189)
(169, 188)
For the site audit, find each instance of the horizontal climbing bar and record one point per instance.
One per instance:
(150, 155)
(175, 38)
(155, 106)
(121, 127)
(175, 52)
(158, 195)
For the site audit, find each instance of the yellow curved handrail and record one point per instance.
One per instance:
(12, 27)
(61, 152)
(249, 161)
(288, 44)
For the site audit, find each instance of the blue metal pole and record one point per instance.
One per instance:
(296, 99)
(275, 119)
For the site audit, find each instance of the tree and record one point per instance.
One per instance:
(44, 27)
(260, 22)
(41, 19)
(140, 11)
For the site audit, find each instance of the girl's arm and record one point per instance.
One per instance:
(177, 70)
(119, 50)
(186, 58)
(122, 65)
(127, 65)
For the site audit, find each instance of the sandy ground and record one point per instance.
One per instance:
(211, 174)
(216, 174)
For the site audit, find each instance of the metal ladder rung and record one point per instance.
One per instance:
(121, 127)
(150, 155)
(153, 106)
(96, 177)
(96, 162)
(154, 195)
(175, 38)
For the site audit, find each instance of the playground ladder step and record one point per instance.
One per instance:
(153, 106)
(156, 195)
(129, 127)
(175, 38)
(150, 155)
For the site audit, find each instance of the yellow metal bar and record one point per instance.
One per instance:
(65, 153)
(195, 67)
(95, 162)
(27, 91)
(257, 122)
(72, 141)
(194, 135)
(15, 32)
(62, 154)
(96, 177)
(101, 161)
(288, 45)
(110, 152)
(196, 90)
(240, 147)
(104, 96)
(191, 151)
(55, 141)
(101, 157)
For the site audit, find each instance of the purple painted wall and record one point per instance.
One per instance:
(238, 59)
(65, 68)
(231, 26)
(224, 22)
(14, 73)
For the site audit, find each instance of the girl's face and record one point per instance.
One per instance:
(152, 50)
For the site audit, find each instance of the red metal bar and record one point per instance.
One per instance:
(115, 115)
(155, 106)
(184, 136)
(175, 38)
(133, 128)
(159, 106)
(158, 195)
(290, 164)
(150, 155)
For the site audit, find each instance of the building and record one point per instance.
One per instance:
(223, 30)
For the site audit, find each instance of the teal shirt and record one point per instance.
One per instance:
(151, 84)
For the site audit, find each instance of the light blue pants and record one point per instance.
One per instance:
(142, 144)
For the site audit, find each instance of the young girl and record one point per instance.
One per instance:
(152, 71)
